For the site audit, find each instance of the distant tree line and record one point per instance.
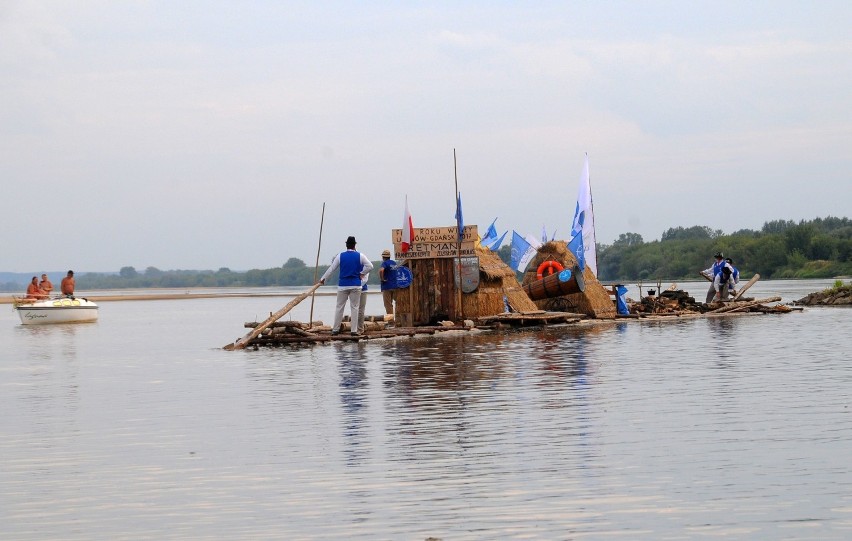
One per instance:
(293, 273)
(819, 248)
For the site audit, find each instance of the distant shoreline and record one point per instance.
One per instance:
(179, 296)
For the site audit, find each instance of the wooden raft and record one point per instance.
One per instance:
(294, 332)
(537, 317)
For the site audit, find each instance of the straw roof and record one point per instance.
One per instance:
(499, 280)
(595, 301)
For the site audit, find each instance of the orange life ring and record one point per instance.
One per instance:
(553, 267)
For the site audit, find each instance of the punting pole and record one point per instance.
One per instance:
(245, 340)
(316, 265)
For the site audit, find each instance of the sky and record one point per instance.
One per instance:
(201, 135)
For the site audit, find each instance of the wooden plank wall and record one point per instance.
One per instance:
(431, 296)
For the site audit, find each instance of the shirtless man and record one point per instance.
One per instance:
(33, 291)
(67, 285)
(45, 285)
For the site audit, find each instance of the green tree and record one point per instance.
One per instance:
(821, 247)
(777, 226)
(628, 239)
(294, 263)
(696, 232)
(798, 238)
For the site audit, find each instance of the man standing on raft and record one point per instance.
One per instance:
(353, 266)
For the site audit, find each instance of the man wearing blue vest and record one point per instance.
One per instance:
(387, 277)
(735, 277)
(712, 273)
(353, 267)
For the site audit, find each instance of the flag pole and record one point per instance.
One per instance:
(316, 265)
(458, 238)
(592, 205)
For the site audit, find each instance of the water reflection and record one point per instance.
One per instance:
(354, 398)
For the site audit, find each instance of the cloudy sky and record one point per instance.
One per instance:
(199, 135)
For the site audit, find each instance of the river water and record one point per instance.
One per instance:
(140, 426)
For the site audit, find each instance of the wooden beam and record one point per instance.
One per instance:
(244, 341)
(750, 283)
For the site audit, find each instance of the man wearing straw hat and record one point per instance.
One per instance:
(387, 277)
(353, 267)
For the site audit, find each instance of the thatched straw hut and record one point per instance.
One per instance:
(496, 281)
(595, 301)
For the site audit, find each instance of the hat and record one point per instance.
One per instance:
(350, 241)
(717, 256)
(386, 253)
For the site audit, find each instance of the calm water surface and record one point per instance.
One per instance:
(140, 427)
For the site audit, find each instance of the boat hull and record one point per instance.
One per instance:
(58, 311)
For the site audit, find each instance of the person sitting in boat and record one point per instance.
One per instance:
(45, 285)
(735, 277)
(33, 291)
(67, 284)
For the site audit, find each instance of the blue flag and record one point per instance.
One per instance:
(621, 300)
(459, 217)
(494, 246)
(490, 235)
(576, 248)
(522, 252)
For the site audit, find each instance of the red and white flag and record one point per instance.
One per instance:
(407, 229)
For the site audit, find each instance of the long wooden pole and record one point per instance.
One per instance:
(592, 205)
(750, 283)
(458, 239)
(316, 265)
(244, 341)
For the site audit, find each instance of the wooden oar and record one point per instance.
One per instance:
(750, 283)
(244, 341)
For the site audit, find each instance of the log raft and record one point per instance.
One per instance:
(282, 333)
(670, 304)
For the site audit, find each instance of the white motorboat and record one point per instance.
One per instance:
(57, 310)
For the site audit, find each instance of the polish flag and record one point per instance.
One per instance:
(407, 229)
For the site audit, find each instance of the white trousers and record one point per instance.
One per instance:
(362, 306)
(354, 298)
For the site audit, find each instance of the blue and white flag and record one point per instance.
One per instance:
(490, 235)
(576, 248)
(543, 234)
(494, 246)
(522, 252)
(459, 217)
(534, 242)
(584, 219)
(491, 240)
